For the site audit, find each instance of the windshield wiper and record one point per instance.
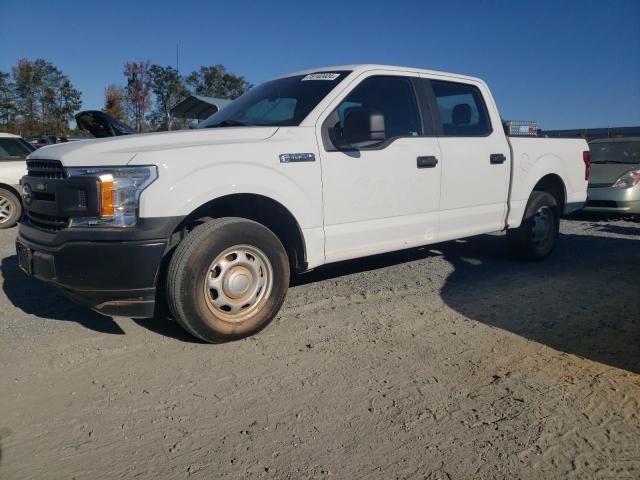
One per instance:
(229, 123)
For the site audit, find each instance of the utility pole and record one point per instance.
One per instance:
(178, 57)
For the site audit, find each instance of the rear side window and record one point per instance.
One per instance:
(463, 112)
(392, 96)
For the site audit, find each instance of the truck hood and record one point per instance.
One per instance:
(121, 150)
(608, 173)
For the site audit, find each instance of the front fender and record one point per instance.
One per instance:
(183, 187)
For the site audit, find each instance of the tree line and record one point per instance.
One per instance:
(37, 98)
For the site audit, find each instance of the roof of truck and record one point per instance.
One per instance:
(8, 135)
(372, 66)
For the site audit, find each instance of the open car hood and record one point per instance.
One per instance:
(101, 125)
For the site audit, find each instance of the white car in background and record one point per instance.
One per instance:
(13, 153)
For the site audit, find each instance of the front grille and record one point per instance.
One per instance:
(82, 198)
(47, 222)
(49, 169)
(599, 185)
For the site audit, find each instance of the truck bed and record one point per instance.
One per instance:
(531, 156)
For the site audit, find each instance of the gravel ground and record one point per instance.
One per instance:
(447, 362)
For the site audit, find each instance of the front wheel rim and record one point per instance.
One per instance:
(543, 227)
(6, 209)
(238, 283)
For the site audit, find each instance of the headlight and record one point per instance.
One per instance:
(119, 190)
(628, 180)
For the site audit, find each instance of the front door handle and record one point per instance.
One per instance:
(427, 162)
(497, 158)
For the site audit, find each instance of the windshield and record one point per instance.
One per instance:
(14, 148)
(615, 152)
(278, 103)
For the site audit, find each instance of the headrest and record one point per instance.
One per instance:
(461, 114)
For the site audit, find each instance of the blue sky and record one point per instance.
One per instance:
(567, 64)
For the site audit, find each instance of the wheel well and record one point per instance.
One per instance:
(258, 208)
(554, 185)
(13, 190)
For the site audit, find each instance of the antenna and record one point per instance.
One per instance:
(177, 57)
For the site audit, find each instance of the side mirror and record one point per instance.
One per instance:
(362, 127)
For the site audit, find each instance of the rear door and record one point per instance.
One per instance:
(475, 158)
(384, 197)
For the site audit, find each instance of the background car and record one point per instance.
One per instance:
(44, 140)
(614, 183)
(13, 152)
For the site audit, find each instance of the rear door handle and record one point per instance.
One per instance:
(497, 158)
(427, 162)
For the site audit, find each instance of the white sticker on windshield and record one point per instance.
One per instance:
(321, 76)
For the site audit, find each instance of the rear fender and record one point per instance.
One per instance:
(527, 173)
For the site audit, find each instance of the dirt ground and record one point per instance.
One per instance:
(448, 362)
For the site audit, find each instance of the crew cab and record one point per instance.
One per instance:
(311, 168)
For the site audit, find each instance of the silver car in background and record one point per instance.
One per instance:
(614, 183)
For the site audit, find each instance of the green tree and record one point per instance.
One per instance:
(114, 102)
(25, 86)
(44, 98)
(7, 102)
(138, 92)
(168, 89)
(216, 81)
(62, 102)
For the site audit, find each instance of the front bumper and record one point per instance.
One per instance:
(114, 276)
(614, 200)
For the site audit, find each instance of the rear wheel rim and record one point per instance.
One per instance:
(238, 283)
(6, 209)
(543, 228)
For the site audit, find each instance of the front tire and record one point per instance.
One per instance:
(10, 209)
(538, 233)
(227, 279)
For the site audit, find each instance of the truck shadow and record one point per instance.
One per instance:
(617, 229)
(48, 302)
(583, 300)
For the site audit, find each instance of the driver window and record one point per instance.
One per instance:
(392, 96)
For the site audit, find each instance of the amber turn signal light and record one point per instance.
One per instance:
(107, 188)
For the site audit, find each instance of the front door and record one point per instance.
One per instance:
(386, 196)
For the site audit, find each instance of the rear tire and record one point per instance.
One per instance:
(537, 235)
(227, 279)
(10, 209)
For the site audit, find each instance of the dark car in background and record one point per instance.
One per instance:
(39, 141)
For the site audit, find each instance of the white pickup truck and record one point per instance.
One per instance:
(311, 168)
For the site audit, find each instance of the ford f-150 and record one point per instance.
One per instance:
(311, 168)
